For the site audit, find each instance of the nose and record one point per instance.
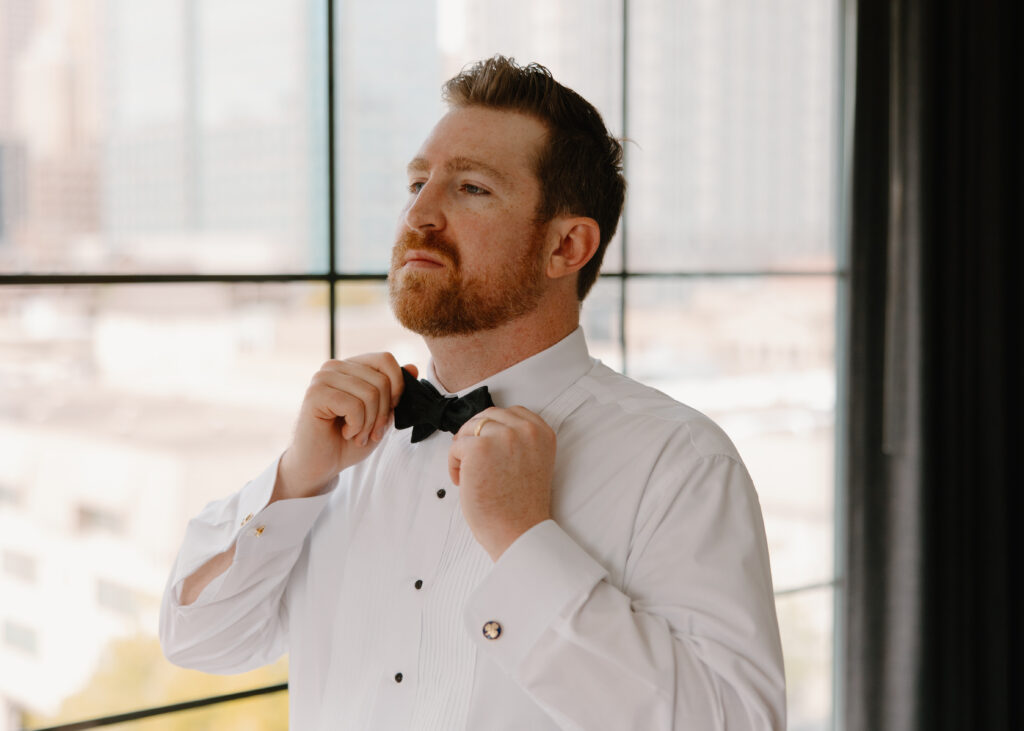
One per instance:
(426, 208)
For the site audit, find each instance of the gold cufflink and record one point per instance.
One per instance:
(492, 630)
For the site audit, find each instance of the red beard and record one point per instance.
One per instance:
(443, 302)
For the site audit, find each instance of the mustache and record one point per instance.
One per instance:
(431, 241)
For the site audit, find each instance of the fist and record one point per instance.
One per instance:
(345, 413)
(503, 461)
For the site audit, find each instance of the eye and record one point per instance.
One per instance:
(416, 186)
(474, 189)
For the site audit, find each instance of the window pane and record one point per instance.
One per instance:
(170, 135)
(807, 624)
(131, 677)
(365, 325)
(579, 40)
(601, 316)
(756, 355)
(123, 410)
(732, 108)
(390, 65)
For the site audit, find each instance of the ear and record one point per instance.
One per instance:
(577, 240)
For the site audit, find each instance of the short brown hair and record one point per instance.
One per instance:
(580, 171)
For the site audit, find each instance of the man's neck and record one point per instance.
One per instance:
(463, 360)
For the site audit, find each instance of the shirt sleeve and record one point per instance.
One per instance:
(690, 639)
(238, 622)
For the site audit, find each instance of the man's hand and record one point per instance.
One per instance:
(504, 470)
(344, 414)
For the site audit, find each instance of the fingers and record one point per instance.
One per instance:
(460, 445)
(469, 428)
(503, 462)
(518, 418)
(335, 395)
(362, 391)
(493, 428)
(454, 465)
(496, 425)
(385, 363)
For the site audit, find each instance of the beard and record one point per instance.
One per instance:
(444, 302)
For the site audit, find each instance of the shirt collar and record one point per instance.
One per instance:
(536, 381)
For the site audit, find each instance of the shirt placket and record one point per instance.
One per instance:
(425, 544)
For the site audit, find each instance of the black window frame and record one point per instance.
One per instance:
(332, 277)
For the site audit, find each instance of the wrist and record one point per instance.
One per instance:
(289, 485)
(502, 540)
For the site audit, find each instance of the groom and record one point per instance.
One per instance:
(586, 553)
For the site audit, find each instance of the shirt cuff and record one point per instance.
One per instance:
(256, 528)
(543, 575)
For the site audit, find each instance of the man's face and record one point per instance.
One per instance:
(468, 254)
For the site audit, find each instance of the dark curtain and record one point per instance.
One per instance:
(933, 608)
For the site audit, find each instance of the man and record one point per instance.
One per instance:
(585, 554)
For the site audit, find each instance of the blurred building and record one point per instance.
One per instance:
(381, 47)
(106, 163)
(171, 137)
(16, 17)
(48, 128)
(212, 142)
(732, 110)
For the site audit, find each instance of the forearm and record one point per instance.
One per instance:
(230, 576)
(641, 674)
(595, 657)
(206, 573)
(283, 490)
(196, 582)
(236, 625)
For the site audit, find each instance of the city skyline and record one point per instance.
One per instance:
(171, 139)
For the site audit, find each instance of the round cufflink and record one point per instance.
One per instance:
(492, 630)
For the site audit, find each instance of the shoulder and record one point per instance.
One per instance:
(637, 414)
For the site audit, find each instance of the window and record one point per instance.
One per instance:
(9, 497)
(116, 598)
(21, 637)
(92, 519)
(173, 266)
(19, 565)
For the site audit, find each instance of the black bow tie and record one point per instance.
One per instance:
(426, 410)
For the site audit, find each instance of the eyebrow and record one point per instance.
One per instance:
(458, 165)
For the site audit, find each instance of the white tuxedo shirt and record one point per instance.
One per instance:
(645, 604)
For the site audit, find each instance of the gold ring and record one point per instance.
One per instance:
(480, 426)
